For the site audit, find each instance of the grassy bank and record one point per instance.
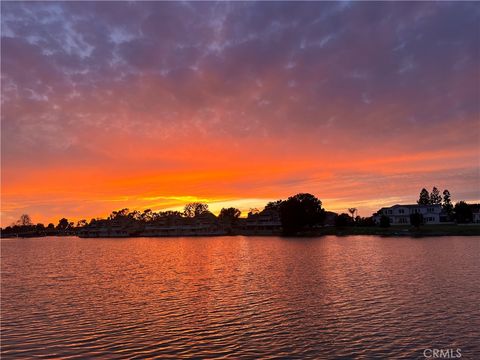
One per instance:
(425, 230)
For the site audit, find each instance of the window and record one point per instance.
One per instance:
(401, 211)
(389, 211)
(430, 209)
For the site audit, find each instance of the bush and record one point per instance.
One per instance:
(343, 220)
(384, 221)
(416, 219)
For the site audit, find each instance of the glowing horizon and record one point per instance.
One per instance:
(107, 105)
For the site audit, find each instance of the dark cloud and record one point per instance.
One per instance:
(350, 74)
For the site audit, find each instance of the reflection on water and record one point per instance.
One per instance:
(265, 297)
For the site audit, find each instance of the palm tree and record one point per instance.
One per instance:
(352, 211)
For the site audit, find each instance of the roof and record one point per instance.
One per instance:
(410, 206)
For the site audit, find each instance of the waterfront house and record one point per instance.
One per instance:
(205, 224)
(105, 228)
(400, 214)
(266, 222)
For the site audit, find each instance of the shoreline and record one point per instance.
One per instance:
(400, 231)
(392, 231)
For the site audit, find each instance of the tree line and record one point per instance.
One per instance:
(299, 213)
(461, 213)
(434, 198)
(25, 226)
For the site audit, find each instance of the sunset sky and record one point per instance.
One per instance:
(152, 105)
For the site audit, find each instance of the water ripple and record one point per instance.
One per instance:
(239, 298)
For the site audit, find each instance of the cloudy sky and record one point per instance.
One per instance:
(108, 105)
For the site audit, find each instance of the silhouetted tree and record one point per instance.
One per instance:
(352, 211)
(135, 215)
(229, 218)
(62, 224)
(435, 198)
(299, 212)
(229, 214)
(416, 219)
(463, 212)
(343, 220)
(147, 215)
(50, 229)
(120, 214)
(24, 220)
(195, 209)
(447, 202)
(81, 223)
(364, 221)
(424, 198)
(384, 221)
(252, 212)
(170, 213)
(274, 205)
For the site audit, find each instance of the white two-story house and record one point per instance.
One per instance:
(400, 214)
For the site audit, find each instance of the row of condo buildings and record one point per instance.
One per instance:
(266, 222)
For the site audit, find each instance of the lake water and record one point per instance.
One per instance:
(240, 297)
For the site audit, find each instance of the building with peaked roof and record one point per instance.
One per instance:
(400, 214)
(266, 222)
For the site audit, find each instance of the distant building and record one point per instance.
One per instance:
(266, 222)
(205, 224)
(105, 228)
(476, 217)
(330, 217)
(400, 214)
